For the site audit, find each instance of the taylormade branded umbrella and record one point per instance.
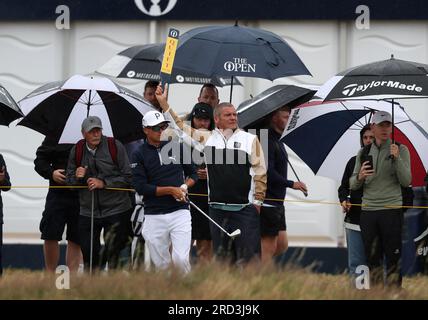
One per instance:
(254, 111)
(231, 51)
(143, 62)
(57, 109)
(326, 135)
(382, 80)
(9, 110)
(387, 79)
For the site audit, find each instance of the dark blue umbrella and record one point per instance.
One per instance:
(143, 62)
(9, 110)
(254, 112)
(231, 51)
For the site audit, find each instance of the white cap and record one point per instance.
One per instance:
(381, 116)
(153, 118)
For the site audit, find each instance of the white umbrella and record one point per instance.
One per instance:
(57, 109)
(326, 135)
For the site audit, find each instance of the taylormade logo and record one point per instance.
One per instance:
(239, 65)
(353, 88)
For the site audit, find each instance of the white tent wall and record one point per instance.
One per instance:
(35, 53)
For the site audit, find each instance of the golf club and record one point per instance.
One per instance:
(234, 234)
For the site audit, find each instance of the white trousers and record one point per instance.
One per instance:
(162, 230)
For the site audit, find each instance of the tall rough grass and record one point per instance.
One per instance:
(204, 282)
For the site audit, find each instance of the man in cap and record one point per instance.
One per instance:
(101, 162)
(201, 119)
(207, 95)
(381, 172)
(162, 174)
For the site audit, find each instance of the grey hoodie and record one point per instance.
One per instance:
(101, 166)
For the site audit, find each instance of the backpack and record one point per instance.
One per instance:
(406, 192)
(81, 144)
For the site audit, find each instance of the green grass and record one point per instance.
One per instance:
(211, 282)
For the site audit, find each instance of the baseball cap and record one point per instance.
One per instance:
(90, 123)
(153, 118)
(202, 110)
(381, 116)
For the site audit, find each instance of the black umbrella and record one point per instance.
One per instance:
(9, 110)
(144, 63)
(382, 80)
(230, 51)
(253, 112)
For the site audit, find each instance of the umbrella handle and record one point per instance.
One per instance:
(231, 89)
(297, 177)
(392, 133)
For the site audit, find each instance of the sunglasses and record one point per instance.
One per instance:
(159, 127)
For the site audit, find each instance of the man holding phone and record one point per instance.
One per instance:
(380, 222)
(61, 207)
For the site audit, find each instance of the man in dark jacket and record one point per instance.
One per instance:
(98, 169)
(61, 207)
(354, 241)
(5, 186)
(273, 227)
(201, 118)
(161, 175)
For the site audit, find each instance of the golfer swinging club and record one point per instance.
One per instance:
(162, 177)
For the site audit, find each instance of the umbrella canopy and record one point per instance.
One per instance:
(143, 62)
(57, 109)
(237, 51)
(253, 112)
(326, 135)
(9, 110)
(387, 79)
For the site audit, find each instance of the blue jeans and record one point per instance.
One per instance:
(356, 253)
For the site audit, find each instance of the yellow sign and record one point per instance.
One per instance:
(169, 53)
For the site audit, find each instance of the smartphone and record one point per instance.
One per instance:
(368, 158)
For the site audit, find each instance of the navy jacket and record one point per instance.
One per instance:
(353, 216)
(163, 166)
(277, 182)
(4, 183)
(51, 156)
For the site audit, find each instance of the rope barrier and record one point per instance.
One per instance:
(206, 195)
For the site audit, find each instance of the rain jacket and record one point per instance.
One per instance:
(102, 166)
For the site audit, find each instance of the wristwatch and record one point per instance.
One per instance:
(257, 202)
